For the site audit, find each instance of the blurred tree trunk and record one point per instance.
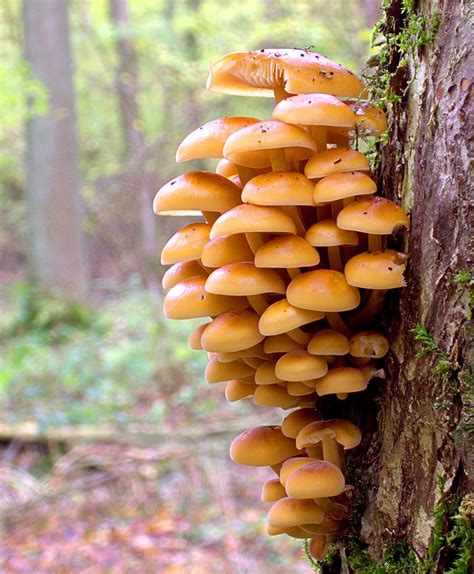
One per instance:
(416, 455)
(135, 151)
(56, 248)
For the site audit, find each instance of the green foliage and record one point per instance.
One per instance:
(416, 32)
(445, 371)
(118, 365)
(464, 277)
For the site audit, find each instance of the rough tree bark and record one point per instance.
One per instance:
(56, 250)
(416, 424)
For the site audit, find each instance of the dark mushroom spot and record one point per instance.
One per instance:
(364, 213)
(202, 297)
(338, 161)
(390, 268)
(172, 183)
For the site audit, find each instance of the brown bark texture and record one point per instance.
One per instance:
(56, 247)
(417, 424)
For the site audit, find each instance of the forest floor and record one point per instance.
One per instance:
(116, 509)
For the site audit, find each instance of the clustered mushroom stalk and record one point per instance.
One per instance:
(293, 232)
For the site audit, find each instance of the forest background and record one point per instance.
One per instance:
(105, 409)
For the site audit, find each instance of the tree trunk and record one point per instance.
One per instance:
(412, 470)
(56, 250)
(135, 148)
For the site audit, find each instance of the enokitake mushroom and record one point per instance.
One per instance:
(253, 220)
(235, 390)
(262, 446)
(376, 270)
(285, 188)
(336, 160)
(281, 317)
(265, 374)
(226, 168)
(318, 547)
(277, 73)
(326, 234)
(244, 279)
(324, 290)
(300, 366)
(226, 250)
(316, 480)
(369, 344)
(316, 111)
(181, 271)
(281, 344)
(329, 342)
(217, 372)
(232, 331)
(207, 141)
(196, 192)
(255, 351)
(346, 185)
(269, 144)
(272, 490)
(288, 252)
(294, 531)
(376, 216)
(341, 381)
(329, 434)
(282, 188)
(295, 421)
(291, 464)
(194, 339)
(288, 512)
(300, 388)
(188, 299)
(186, 244)
(274, 396)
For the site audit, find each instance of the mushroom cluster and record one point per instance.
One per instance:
(288, 262)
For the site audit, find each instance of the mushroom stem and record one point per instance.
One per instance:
(210, 216)
(372, 308)
(293, 212)
(258, 302)
(293, 272)
(318, 547)
(299, 336)
(347, 201)
(255, 241)
(278, 159)
(280, 94)
(324, 212)
(334, 254)
(315, 451)
(331, 451)
(342, 396)
(245, 173)
(320, 136)
(336, 323)
(375, 242)
(336, 207)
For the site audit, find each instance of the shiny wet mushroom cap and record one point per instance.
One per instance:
(260, 72)
(188, 299)
(288, 512)
(323, 290)
(262, 446)
(279, 188)
(376, 270)
(317, 479)
(232, 331)
(208, 140)
(195, 192)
